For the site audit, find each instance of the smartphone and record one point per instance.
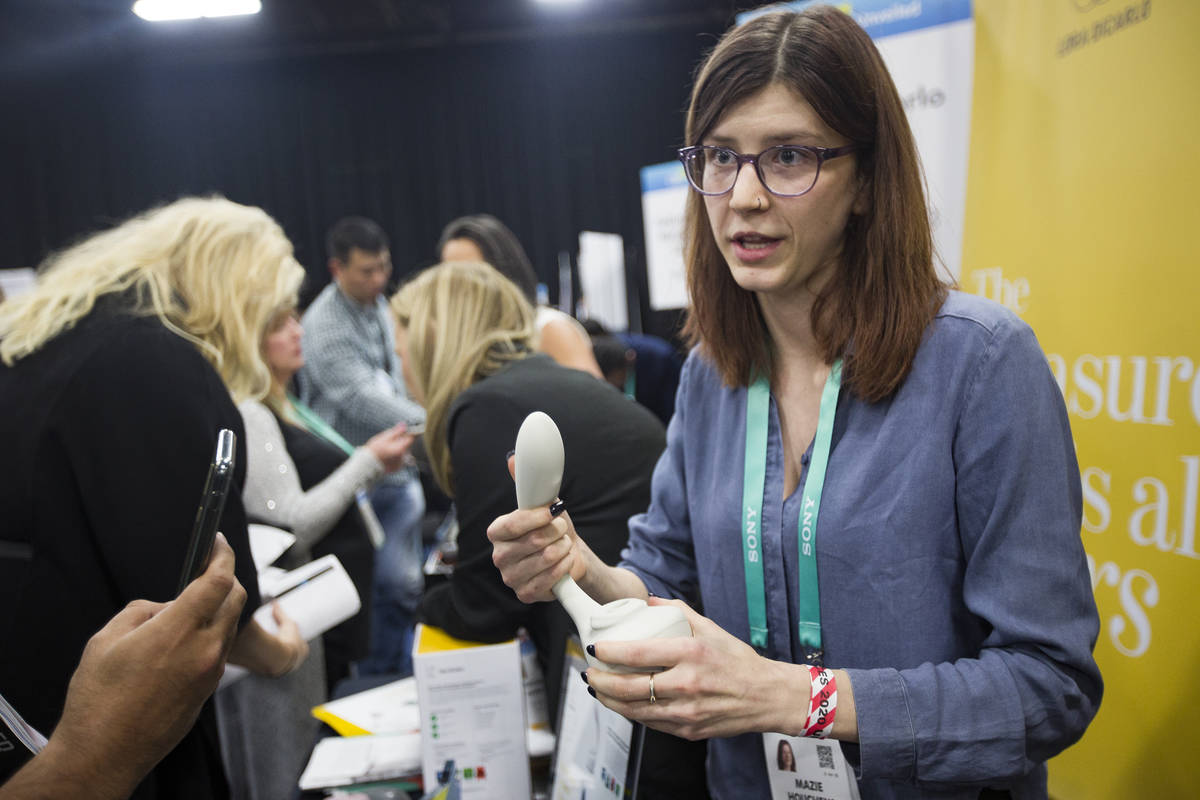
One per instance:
(212, 503)
(416, 429)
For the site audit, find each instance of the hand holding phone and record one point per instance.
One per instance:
(391, 446)
(212, 503)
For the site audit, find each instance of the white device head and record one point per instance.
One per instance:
(539, 466)
(539, 457)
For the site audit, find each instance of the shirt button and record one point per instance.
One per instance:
(271, 504)
(282, 468)
(270, 447)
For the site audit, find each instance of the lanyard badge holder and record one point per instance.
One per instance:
(795, 766)
(758, 399)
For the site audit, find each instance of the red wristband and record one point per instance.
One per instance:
(822, 705)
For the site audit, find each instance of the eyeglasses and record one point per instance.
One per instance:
(786, 170)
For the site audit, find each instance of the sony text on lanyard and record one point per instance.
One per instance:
(758, 400)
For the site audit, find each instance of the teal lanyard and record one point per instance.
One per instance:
(630, 383)
(758, 403)
(319, 426)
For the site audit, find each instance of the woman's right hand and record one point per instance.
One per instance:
(391, 446)
(533, 550)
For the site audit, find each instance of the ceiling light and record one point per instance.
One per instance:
(160, 10)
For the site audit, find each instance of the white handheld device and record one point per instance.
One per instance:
(539, 457)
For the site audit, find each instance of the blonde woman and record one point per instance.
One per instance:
(301, 475)
(465, 335)
(113, 385)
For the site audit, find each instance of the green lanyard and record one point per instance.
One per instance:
(319, 426)
(758, 402)
(630, 383)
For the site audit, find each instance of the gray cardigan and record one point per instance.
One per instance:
(273, 494)
(265, 726)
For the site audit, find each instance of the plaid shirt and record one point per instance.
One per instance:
(351, 376)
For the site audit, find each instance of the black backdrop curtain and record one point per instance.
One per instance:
(547, 134)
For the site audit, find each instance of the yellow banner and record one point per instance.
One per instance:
(1083, 215)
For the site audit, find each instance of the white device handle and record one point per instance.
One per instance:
(539, 467)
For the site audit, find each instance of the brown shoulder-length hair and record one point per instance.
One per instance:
(875, 308)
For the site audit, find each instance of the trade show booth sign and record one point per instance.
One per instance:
(1081, 217)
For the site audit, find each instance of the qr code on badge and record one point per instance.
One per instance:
(824, 756)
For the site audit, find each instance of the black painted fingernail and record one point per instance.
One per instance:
(591, 691)
(557, 508)
(509, 454)
(584, 676)
(591, 650)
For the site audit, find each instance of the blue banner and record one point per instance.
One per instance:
(662, 176)
(883, 17)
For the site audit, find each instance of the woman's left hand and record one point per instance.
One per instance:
(711, 685)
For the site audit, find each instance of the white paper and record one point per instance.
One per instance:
(317, 596)
(17, 281)
(338, 761)
(602, 275)
(28, 735)
(391, 708)
(267, 543)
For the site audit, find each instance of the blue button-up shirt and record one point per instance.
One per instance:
(953, 583)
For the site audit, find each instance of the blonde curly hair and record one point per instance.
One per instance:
(215, 272)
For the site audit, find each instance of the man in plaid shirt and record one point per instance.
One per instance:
(352, 379)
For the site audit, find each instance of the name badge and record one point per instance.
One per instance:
(807, 769)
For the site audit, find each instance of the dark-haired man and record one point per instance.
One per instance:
(352, 379)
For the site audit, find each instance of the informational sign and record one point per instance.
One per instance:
(17, 281)
(664, 198)
(594, 743)
(1081, 218)
(472, 713)
(602, 278)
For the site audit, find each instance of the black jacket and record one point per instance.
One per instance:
(108, 433)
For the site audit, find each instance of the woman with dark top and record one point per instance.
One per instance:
(112, 391)
(464, 334)
(302, 476)
(482, 237)
(869, 495)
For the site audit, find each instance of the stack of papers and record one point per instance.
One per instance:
(268, 543)
(317, 596)
(387, 709)
(343, 761)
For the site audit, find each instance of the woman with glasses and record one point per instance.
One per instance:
(869, 487)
